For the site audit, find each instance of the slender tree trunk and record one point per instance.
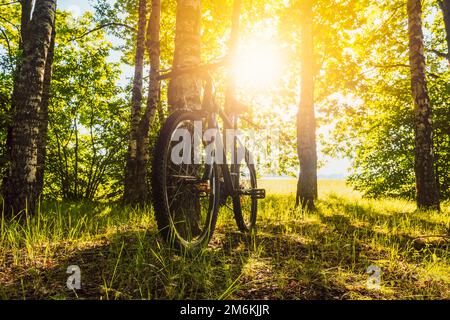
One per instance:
(426, 186)
(154, 53)
(445, 7)
(136, 187)
(306, 121)
(184, 92)
(230, 94)
(233, 47)
(75, 165)
(21, 187)
(136, 104)
(153, 49)
(42, 143)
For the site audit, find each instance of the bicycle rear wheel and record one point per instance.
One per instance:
(186, 192)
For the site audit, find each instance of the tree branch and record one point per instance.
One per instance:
(389, 66)
(106, 25)
(402, 65)
(441, 54)
(10, 23)
(5, 36)
(9, 3)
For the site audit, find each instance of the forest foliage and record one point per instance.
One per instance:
(363, 100)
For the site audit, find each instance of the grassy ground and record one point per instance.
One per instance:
(295, 255)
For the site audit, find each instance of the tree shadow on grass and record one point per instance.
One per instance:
(129, 265)
(284, 266)
(138, 265)
(398, 226)
(378, 217)
(322, 258)
(328, 258)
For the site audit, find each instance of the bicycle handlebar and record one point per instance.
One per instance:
(199, 69)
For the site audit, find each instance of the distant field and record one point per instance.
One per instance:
(288, 186)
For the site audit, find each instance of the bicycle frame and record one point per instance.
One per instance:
(213, 111)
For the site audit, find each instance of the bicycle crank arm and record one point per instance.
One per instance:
(189, 179)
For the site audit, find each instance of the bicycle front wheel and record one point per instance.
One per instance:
(245, 201)
(185, 188)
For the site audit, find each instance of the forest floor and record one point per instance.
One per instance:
(296, 255)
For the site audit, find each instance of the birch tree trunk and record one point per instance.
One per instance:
(143, 148)
(136, 106)
(154, 53)
(42, 143)
(426, 184)
(306, 121)
(184, 92)
(21, 187)
(137, 188)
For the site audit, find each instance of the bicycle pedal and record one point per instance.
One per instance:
(254, 193)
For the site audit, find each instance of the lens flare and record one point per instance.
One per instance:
(258, 65)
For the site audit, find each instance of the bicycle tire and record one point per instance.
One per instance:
(250, 209)
(162, 208)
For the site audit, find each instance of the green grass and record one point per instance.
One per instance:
(295, 255)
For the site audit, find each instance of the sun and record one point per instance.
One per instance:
(258, 64)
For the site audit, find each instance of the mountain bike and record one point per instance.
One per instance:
(197, 169)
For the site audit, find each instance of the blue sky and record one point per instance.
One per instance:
(333, 167)
(77, 7)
